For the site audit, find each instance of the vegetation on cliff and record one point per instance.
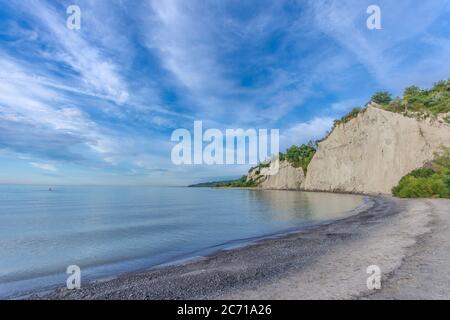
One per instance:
(414, 102)
(259, 167)
(300, 156)
(349, 116)
(418, 102)
(382, 97)
(431, 181)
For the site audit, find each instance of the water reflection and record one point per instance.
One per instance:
(287, 205)
(107, 230)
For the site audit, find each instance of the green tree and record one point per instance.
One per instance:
(441, 85)
(382, 97)
(300, 156)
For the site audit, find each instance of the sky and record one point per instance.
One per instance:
(97, 106)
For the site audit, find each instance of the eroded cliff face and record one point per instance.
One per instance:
(287, 178)
(371, 153)
(368, 154)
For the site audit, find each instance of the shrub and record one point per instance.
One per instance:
(413, 94)
(382, 97)
(300, 156)
(427, 182)
(421, 102)
(422, 173)
(431, 187)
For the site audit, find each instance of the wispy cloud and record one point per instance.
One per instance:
(224, 64)
(41, 120)
(107, 97)
(304, 132)
(44, 166)
(98, 74)
(405, 25)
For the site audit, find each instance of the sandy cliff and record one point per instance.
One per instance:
(368, 154)
(371, 153)
(287, 178)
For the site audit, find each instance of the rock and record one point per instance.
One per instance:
(287, 178)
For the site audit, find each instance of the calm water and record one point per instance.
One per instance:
(106, 231)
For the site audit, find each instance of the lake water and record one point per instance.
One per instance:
(111, 230)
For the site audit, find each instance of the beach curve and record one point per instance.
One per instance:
(328, 261)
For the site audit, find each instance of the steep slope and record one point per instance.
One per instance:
(370, 153)
(287, 178)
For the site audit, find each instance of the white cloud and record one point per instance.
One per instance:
(305, 131)
(42, 107)
(44, 166)
(195, 40)
(382, 52)
(99, 74)
(182, 37)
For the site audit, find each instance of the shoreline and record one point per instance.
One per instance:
(325, 261)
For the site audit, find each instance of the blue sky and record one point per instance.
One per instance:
(98, 105)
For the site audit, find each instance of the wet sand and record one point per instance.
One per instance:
(407, 239)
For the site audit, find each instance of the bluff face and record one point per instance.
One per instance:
(368, 154)
(287, 178)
